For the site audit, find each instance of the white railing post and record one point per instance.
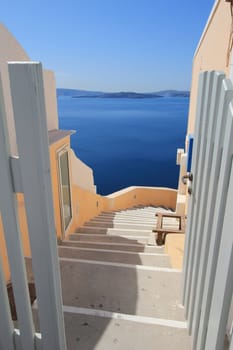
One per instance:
(220, 175)
(208, 281)
(188, 238)
(26, 81)
(6, 324)
(8, 209)
(223, 282)
(206, 231)
(231, 343)
(202, 196)
(197, 217)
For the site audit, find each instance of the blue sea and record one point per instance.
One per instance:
(127, 141)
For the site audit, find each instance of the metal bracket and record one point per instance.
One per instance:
(16, 175)
(189, 177)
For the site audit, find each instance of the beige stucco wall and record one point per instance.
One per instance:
(86, 205)
(174, 247)
(11, 50)
(50, 99)
(82, 175)
(212, 51)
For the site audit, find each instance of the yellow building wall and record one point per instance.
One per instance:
(212, 52)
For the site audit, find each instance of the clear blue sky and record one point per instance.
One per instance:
(111, 45)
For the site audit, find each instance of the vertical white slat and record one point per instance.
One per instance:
(216, 144)
(198, 124)
(231, 343)
(8, 208)
(6, 324)
(17, 342)
(202, 194)
(223, 284)
(196, 193)
(26, 81)
(222, 166)
(39, 342)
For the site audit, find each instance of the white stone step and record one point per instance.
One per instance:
(115, 231)
(93, 329)
(129, 215)
(130, 220)
(129, 246)
(137, 225)
(124, 288)
(129, 239)
(150, 259)
(87, 332)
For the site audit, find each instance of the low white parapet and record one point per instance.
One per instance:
(140, 195)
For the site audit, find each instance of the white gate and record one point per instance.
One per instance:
(208, 261)
(30, 174)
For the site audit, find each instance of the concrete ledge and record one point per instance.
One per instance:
(174, 247)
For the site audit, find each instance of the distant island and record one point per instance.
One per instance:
(123, 94)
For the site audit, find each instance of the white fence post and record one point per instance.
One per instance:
(6, 324)
(26, 81)
(200, 317)
(223, 284)
(231, 343)
(205, 160)
(188, 238)
(208, 279)
(220, 176)
(9, 213)
(197, 217)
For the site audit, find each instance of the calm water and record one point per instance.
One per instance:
(127, 141)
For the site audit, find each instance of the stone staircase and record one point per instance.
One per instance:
(119, 290)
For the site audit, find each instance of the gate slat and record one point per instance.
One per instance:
(223, 284)
(205, 165)
(199, 212)
(6, 325)
(188, 240)
(218, 186)
(8, 208)
(225, 95)
(231, 343)
(26, 81)
(196, 192)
